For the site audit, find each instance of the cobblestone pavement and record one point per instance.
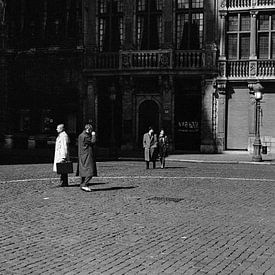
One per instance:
(191, 218)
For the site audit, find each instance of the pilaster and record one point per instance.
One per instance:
(207, 125)
(221, 119)
(91, 102)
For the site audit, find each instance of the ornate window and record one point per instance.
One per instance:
(110, 25)
(189, 24)
(238, 36)
(266, 36)
(149, 30)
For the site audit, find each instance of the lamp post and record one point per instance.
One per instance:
(112, 91)
(257, 142)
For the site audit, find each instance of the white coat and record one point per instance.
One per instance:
(61, 149)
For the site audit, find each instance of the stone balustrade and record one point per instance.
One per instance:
(243, 69)
(248, 4)
(152, 59)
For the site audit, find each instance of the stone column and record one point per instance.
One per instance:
(222, 35)
(253, 42)
(221, 121)
(207, 135)
(91, 102)
(253, 34)
(126, 84)
(4, 96)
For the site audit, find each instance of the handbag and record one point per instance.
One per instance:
(64, 167)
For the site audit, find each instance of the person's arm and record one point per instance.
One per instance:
(144, 140)
(64, 151)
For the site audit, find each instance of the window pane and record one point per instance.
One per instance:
(141, 5)
(244, 45)
(232, 46)
(197, 3)
(263, 45)
(245, 23)
(233, 23)
(263, 22)
(103, 6)
(273, 46)
(273, 21)
(182, 31)
(182, 4)
(196, 35)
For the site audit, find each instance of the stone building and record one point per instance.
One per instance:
(188, 66)
(246, 59)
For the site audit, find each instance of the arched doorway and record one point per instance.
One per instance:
(148, 116)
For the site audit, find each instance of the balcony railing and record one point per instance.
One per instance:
(152, 60)
(247, 4)
(242, 70)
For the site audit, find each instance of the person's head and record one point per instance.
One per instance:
(88, 128)
(151, 130)
(161, 133)
(60, 128)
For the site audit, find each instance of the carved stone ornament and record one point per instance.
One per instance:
(223, 4)
(222, 69)
(164, 60)
(125, 60)
(252, 69)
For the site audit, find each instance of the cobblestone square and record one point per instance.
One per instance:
(191, 218)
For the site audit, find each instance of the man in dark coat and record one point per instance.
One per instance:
(86, 157)
(150, 145)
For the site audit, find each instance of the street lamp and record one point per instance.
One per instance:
(257, 142)
(112, 91)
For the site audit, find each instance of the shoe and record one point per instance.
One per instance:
(86, 189)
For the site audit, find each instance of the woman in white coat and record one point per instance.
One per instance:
(61, 152)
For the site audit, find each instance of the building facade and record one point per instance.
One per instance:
(152, 63)
(188, 66)
(246, 59)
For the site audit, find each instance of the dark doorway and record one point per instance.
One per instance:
(188, 115)
(148, 116)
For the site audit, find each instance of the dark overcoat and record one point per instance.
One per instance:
(163, 146)
(150, 145)
(86, 155)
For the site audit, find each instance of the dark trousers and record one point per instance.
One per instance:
(162, 162)
(147, 164)
(64, 179)
(85, 181)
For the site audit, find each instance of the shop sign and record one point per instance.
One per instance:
(188, 126)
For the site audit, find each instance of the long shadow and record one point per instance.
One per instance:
(90, 184)
(114, 188)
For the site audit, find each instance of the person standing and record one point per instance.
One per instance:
(150, 144)
(61, 152)
(163, 147)
(86, 157)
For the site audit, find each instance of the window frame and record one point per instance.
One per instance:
(239, 33)
(270, 31)
(102, 17)
(190, 9)
(146, 12)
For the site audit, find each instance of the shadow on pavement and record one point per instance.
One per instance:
(114, 188)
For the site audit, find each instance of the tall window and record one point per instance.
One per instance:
(110, 25)
(266, 36)
(238, 36)
(149, 24)
(189, 24)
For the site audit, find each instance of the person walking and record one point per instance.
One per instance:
(86, 157)
(163, 147)
(61, 152)
(150, 144)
